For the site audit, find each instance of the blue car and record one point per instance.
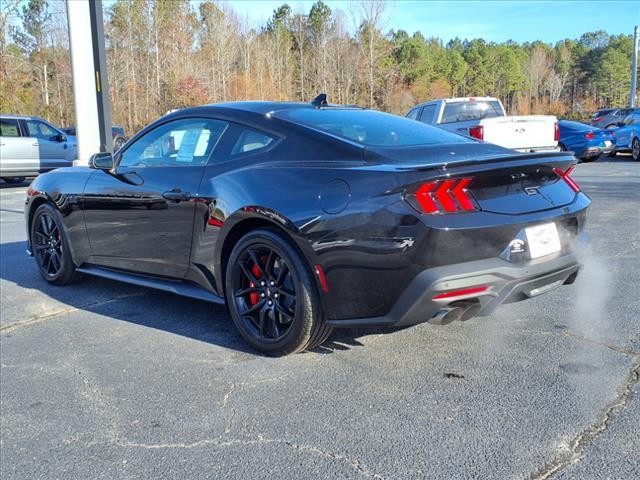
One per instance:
(627, 135)
(585, 141)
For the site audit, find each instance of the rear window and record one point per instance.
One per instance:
(474, 110)
(370, 127)
(9, 127)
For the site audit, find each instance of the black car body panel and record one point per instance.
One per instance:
(345, 205)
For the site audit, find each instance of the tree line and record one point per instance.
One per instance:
(167, 54)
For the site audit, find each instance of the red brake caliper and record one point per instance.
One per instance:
(254, 297)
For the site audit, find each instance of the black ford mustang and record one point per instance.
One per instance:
(304, 217)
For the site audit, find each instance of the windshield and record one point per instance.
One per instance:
(370, 127)
(471, 110)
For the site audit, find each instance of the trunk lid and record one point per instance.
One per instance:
(504, 181)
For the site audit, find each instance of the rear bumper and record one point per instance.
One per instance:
(506, 282)
(591, 152)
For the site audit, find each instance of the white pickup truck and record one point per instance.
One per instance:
(484, 118)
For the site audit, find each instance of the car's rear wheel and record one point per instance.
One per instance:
(272, 295)
(635, 149)
(50, 246)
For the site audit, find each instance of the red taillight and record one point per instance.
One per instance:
(460, 293)
(597, 119)
(477, 132)
(556, 132)
(423, 196)
(443, 195)
(214, 222)
(564, 175)
(448, 196)
(589, 135)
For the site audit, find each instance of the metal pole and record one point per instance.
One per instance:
(634, 67)
(90, 83)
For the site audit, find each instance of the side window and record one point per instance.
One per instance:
(41, 130)
(181, 143)
(250, 140)
(427, 113)
(413, 114)
(9, 127)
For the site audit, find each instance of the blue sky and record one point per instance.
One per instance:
(498, 21)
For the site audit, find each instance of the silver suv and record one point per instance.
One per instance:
(31, 145)
(610, 117)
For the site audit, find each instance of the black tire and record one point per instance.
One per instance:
(50, 246)
(13, 180)
(118, 142)
(562, 147)
(635, 149)
(272, 295)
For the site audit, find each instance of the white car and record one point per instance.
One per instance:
(31, 145)
(484, 118)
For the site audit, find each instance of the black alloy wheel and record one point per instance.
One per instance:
(272, 295)
(49, 246)
(264, 292)
(13, 180)
(118, 143)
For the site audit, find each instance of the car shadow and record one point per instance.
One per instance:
(619, 158)
(195, 319)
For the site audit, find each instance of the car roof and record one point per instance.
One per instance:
(20, 117)
(458, 99)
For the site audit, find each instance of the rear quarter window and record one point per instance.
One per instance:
(9, 127)
(251, 140)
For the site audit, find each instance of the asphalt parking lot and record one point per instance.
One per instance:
(106, 380)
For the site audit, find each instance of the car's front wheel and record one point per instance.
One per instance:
(50, 246)
(272, 295)
(118, 143)
(13, 180)
(635, 149)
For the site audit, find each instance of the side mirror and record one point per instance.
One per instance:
(101, 161)
(59, 137)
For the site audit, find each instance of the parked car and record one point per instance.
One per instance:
(609, 117)
(303, 217)
(119, 137)
(586, 142)
(30, 146)
(484, 118)
(627, 135)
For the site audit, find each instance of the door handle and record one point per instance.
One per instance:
(176, 195)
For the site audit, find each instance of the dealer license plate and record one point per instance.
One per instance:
(543, 240)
